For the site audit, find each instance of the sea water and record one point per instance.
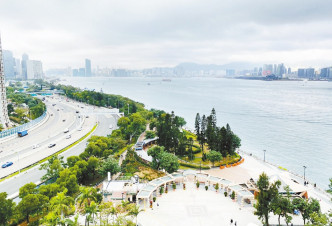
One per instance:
(291, 120)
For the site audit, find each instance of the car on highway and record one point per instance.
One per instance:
(35, 146)
(53, 104)
(66, 130)
(68, 136)
(87, 116)
(57, 109)
(79, 129)
(77, 112)
(111, 127)
(7, 164)
(51, 145)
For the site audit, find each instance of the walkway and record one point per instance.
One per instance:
(196, 207)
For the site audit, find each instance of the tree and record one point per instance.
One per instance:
(27, 189)
(306, 207)
(53, 167)
(50, 190)
(282, 206)
(134, 210)
(137, 125)
(318, 219)
(67, 179)
(71, 160)
(267, 193)
(109, 165)
(156, 152)
(6, 209)
(106, 210)
(150, 134)
(169, 162)
(214, 156)
(87, 198)
(330, 186)
(62, 205)
(32, 204)
(93, 164)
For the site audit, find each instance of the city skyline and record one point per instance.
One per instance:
(161, 34)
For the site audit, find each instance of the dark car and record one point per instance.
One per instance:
(7, 164)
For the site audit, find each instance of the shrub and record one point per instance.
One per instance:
(233, 195)
(154, 199)
(216, 187)
(197, 184)
(174, 186)
(225, 193)
(161, 190)
(206, 187)
(193, 165)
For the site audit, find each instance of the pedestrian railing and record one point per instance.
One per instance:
(26, 126)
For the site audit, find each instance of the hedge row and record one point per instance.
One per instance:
(193, 165)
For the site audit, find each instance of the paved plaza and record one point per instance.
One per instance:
(196, 207)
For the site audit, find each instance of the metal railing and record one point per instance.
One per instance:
(26, 126)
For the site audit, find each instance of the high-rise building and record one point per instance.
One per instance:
(310, 73)
(37, 69)
(8, 64)
(326, 72)
(18, 68)
(29, 70)
(267, 69)
(4, 119)
(87, 68)
(81, 72)
(301, 73)
(25, 58)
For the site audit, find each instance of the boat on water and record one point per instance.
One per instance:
(167, 80)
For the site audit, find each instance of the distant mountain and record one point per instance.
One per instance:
(197, 67)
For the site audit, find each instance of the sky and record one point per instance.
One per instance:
(138, 34)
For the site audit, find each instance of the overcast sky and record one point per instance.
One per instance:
(140, 33)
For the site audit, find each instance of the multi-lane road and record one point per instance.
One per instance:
(62, 115)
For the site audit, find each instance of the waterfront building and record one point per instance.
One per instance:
(267, 69)
(326, 72)
(81, 72)
(4, 119)
(8, 64)
(88, 68)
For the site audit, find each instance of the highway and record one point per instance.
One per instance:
(27, 155)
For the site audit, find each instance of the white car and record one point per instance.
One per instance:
(35, 146)
(79, 129)
(111, 127)
(68, 136)
(66, 130)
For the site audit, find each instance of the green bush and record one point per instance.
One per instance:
(193, 166)
(225, 193)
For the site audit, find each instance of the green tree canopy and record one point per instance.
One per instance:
(214, 156)
(7, 207)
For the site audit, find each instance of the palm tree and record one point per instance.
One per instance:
(62, 204)
(134, 210)
(114, 211)
(92, 211)
(87, 196)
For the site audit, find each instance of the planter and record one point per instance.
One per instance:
(154, 199)
(184, 186)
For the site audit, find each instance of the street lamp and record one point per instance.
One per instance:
(264, 154)
(304, 167)
(128, 109)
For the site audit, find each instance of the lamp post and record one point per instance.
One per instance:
(304, 167)
(128, 109)
(264, 154)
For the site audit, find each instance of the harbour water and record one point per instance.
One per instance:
(291, 120)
